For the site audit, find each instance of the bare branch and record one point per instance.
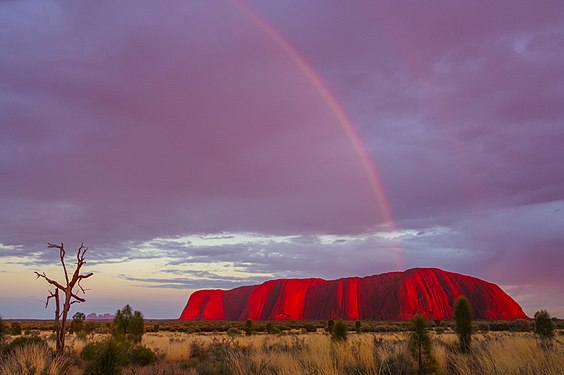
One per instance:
(52, 245)
(80, 286)
(51, 295)
(70, 296)
(80, 299)
(80, 254)
(52, 282)
(62, 253)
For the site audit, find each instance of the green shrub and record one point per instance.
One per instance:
(15, 329)
(90, 327)
(357, 326)
(104, 358)
(420, 345)
(232, 331)
(310, 327)
(544, 328)
(339, 332)
(248, 328)
(128, 324)
(269, 327)
(330, 325)
(499, 326)
(521, 325)
(142, 356)
(210, 359)
(77, 322)
(109, 356)
(82, 335)
(463, 320)
(22, 341)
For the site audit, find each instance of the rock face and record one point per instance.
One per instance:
(389, 296)
(94, 316)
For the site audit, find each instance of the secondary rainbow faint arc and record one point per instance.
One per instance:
(344, 121)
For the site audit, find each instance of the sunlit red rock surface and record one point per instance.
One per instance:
(389, 296)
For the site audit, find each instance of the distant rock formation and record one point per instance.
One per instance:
(389, 296)
(94, 316)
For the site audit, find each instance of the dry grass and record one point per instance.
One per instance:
(316, 353)
(505, 353)
(509, 354)
(173, 346)
(33, 359)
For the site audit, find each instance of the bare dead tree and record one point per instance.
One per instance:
(67, 289)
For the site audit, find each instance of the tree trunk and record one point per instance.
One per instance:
(68, 289)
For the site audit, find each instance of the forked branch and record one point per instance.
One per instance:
(70, 297)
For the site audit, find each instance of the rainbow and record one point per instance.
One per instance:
(342, 117)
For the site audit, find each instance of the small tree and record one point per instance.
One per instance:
(128, 324)
(15, 329)
(330, 325)
(70, 295)
(544, 328)
(77, 322)
(269, 327)
(248, 328)
(339, 331)
(420, 345)
(357, 326)
(463, 320)
(136, 327)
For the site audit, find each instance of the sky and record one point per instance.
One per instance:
(214, 144)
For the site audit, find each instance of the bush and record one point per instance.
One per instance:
(15, 329)
(142, 356)
(128, 324)
(269, 327)
(232, 331)
(81, 335)
(104, 358)
(33, 359)
(420, 345)
(248, 328)
(463, 320)
(210, 360)
(310, 327)
(521, 325)
(544, 328)
(76, 323)
(499, 326)
(339, 332)
(22, 341)
(108, 357)
(330, 325)
(357, 326)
